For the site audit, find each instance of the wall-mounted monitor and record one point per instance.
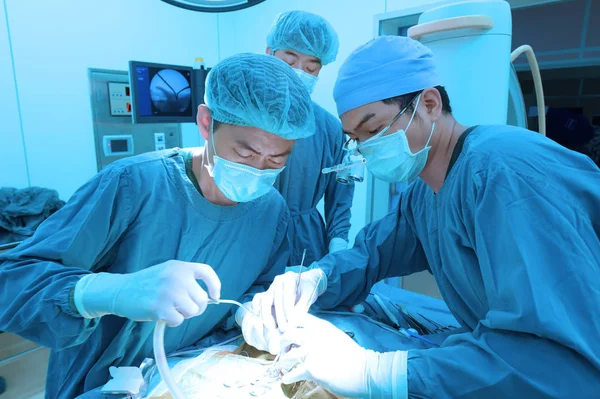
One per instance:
(162, 93)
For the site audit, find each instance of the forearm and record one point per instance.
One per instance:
(37, 303)
(385, 248)
(500, 364)
(349, 278)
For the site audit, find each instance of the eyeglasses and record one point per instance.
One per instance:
(352, 147)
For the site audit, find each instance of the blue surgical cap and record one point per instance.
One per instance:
(385, 67)
(304, 32)
(260, 91)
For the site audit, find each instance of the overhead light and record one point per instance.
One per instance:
(213, 5)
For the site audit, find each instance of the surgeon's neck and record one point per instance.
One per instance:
(209, 189)
(446, 134)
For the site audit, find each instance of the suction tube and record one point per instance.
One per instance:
(161, 361)
(159, 349)
(537, 81)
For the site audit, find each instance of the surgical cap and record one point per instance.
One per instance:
(385, 67)
(304, 32)
(260, 91)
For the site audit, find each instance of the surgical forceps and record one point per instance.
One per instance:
(438, 327)
(300, 273)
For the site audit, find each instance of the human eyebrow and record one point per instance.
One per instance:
(247, 146)
(291, 53)
(363, 121)
(288, 152)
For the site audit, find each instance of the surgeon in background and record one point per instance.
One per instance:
(507, 221)
(307, 42)
(128, 247)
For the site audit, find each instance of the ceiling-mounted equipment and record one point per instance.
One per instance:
(213, 5)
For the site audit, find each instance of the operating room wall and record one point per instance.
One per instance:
(246, 30)
(53, 45)
(13, 167)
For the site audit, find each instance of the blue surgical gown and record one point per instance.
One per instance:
(135, 213)
(512, 239)
(303, 185)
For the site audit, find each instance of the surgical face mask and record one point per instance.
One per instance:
(389, 157)
(309, 80)
(239, 182)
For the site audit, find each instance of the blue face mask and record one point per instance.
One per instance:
(389, 157)
(309, 80)
(239, 182)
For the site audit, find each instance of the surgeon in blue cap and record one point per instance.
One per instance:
(507, 221)
(307, 42)
(133, 243)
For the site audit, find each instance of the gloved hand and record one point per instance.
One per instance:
(296, 269)
(281, 304)
(168, 292)
(255, 332)
(337, 244)
(329, 357)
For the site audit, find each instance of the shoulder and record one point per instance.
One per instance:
(148, 170)
(324, 117)
(125, 177)
(519, 162)
(144, 163)
(499, 142)
(328, 126)
(490, 148)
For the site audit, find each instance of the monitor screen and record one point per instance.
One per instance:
(161, 93)
(119, 145)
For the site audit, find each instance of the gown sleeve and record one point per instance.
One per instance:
(385, 248)
(38, 276)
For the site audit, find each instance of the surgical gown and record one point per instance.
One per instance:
(512, 239)
(135, 213)
(303, 185)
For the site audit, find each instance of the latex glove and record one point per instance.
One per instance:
(255, 332)
(337, 244)
(168, 292)
(329, 357)
(296, 269)
(280, 304)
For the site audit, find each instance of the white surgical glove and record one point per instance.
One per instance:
(280, 305)
(296, 269)
(337, 244)
(255, 332)
(167, 292)
(329, 357)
